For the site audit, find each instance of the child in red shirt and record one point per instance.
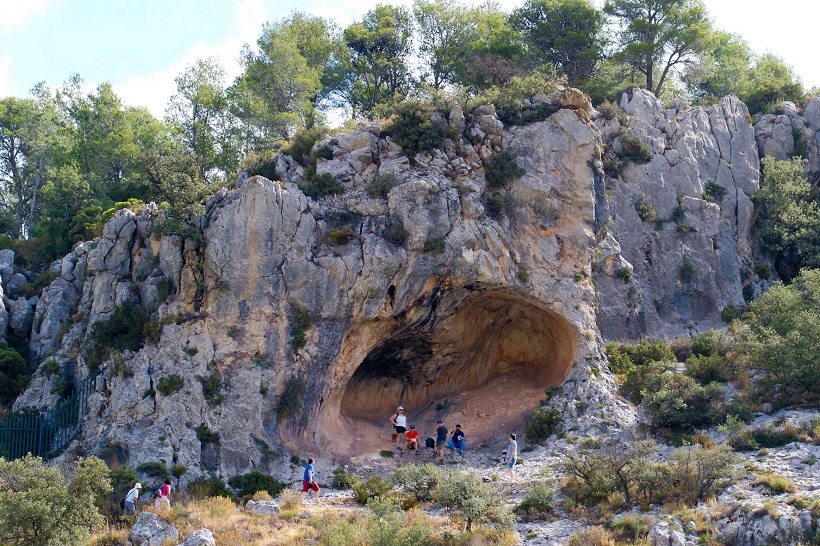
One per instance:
(412, 438)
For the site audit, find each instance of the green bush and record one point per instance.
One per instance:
(502, 168)
(646, 212)
(710, 343)
(318, 186)
(763, 271)
(541, 424)
(496, 205)
(779, 344)
(248, 484)
(509, 98)
(708, 369)
(373, 486)
(729, 314)
(634, 149)
(206, 435)
(396, 234)
(155, 470)
(522, 275)
(38, 507)
(211, 388)
(418, 481)
(686, 271)
(340, 237)
(678, 402)
(472, 500)
(700, 472)
(713, 192)
(619, 361)
(381, 185)
(302, 143)
(436, 245)
(208, 486)
(290, 400)
(169, 384)
(14, 374)
(537, 503)
(342, 480)
(624, 274)
(124, 330)
(298, 329)
(610, 110)
(415, 130)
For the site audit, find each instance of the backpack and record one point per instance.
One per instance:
(157, 494)
(430, 443)
(122, 504)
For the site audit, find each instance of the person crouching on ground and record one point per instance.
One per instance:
(309, 480)
(131, 499)
(441, 440)
(412, 439)
(457, 441)
(163, 501)
(399, 422)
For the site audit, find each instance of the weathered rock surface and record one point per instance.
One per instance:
(200, 537)
(151, 530)
(262, 508)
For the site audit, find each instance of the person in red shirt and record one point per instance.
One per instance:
(412, 438)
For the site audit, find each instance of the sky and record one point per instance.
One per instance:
(140, 46)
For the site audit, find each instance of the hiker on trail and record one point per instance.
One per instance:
(131, 499)
(163, 500)
(457, 441)
(309, 481)
(511, 456)
(441, 440)
(399, 422)
(412, 439)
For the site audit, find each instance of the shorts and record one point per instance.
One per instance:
(441, 444)
(400, 430)
(130, 508)
(511, 463)
(307, 487)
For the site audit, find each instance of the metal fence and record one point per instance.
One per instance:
(46, 435)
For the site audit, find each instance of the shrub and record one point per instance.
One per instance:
(634, 149)
(729, 314)
(289, 401)
(155, 470)
(537, 503)
(495, 205)
(677, 401)
(206, 435)
(289, 499)
(436, 246)
(169, 384)
(14, 374)
(178, 470)
(522, 275)
(686, 271)
(340, 237)
(416, 130)
(249, 484)
(473, 500)
(775, 483)
(763, 271)
(595, 536)
(396, 234)
(299, 326)
(342, 480)
(386, 453)
(211, 387)
(700, 473)
(38, 507)
(318, 186)
(373, 486)
(772, 437)
(631, 529)
(681, 347)
(713, 192)
(302, 143)
(708, 369)
(418, 481)
(610, 110)
(509, 98)
(381, 185)
(624, 274)
(619, 361)
(124, 330)
(541, 424)
(645, 210)
(710, 343)
(208, 486)
(502, 168)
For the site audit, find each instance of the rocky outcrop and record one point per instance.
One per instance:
(151, 530)
(673, 256)
(262, 508)
(200, 537)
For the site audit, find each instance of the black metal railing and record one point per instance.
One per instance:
(46, 435)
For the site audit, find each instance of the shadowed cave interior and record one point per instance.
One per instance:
(485, 365)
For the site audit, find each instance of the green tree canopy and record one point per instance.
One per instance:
(771, 81)
(658, 36)
(444, 36)
(567, 34)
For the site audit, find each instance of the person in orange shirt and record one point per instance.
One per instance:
(412, 439)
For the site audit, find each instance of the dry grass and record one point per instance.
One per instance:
(289, 499)
(775, 483)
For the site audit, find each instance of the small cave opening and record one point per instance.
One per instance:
(482, 361)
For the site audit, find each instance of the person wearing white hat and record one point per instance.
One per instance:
(399, 422)
(131, 499)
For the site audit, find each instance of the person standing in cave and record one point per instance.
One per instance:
(441, 440)
(399, 422)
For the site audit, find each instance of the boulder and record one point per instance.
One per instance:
(200, 537)
(6, 257)
(262, 508)
(151, 530)
(21, 317)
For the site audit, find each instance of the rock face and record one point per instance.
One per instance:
(200, 537)
(673, 257)
(301, 324)
(151, 530)
(262, 508)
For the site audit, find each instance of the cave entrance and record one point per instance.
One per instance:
(484, 365)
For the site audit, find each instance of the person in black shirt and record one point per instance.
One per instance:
(441, 440)
(457, 440)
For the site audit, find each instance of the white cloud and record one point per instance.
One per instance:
(153, 90)
(6, 87)
(15, 12)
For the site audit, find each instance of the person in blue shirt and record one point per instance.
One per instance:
(309, 480)
(457, 441)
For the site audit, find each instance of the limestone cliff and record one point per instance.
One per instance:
(352, 303)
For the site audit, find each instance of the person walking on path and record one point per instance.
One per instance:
(512, 455)
(441, 440)
(399, 422)
(163, 502)
(457, 441)
(131, 499)
(309, 481)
